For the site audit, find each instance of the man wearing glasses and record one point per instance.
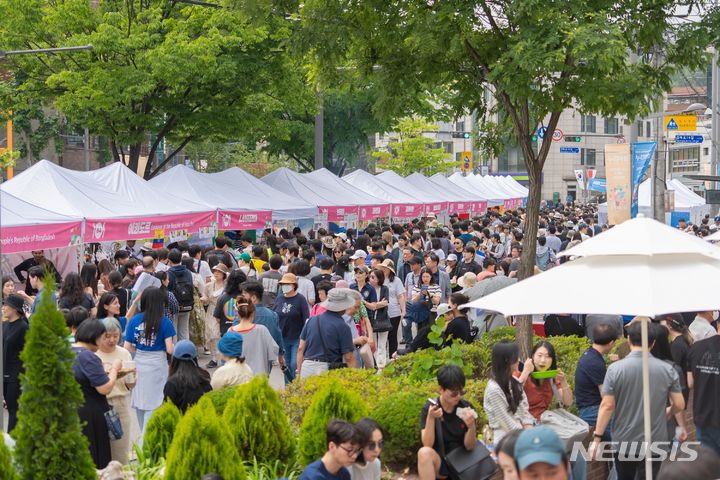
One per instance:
(345, 443)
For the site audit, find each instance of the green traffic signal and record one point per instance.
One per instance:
(573, 139)
(466, 135)
(534, 138)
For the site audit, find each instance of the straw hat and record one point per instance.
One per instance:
(288, 278)
(387, 263)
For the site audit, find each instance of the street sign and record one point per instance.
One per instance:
(689, 138)
(466, 161)
(569, 150)
(682, 123)
(541, 132)
(557, 135)
(484, 170)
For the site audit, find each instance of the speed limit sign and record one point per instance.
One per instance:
(557, 135)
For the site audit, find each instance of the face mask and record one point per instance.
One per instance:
(716, 314)
(287, 288)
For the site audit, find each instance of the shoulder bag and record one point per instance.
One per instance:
(569, 427)
(114, 426)
(380, 320)
(331, 365)
(463, 464)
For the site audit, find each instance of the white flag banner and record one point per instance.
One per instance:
(580, 177)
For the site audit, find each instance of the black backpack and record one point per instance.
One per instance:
(184, 292)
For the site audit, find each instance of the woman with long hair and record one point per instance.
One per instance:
(89, 277)
(379, 319)
(540, 391)
(197, 314)
(172, 307)
(367, 465)
(149, 334)
(662, 350)
(109, 307)
(14, 328)
(187, 382)
(235, 371)
(397, 302)
(425, 298)
(72, 294)
(123, 294)
(130, 276)
(212, 292)
(119, 396)
(225, 307)
(105, 268)
(8, 286)
(259, 348)
(505, 402)
(680, 340)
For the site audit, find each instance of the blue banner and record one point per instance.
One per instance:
(675, 218)
(597, 185)
(642, 154)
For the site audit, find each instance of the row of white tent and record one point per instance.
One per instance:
(48, 206)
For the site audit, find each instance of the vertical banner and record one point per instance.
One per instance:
(642, 154)
(619, 182)
(580, 177)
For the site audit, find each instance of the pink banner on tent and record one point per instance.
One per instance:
(172, 226)
(479, 207)
(460, 207)
(436, 207)
(512, 203)
(39, 237)
(338, 214)
(407, 210)
(369, 212)
(230, 220)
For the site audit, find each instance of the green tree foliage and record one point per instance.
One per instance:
(412, 151)
(201, 445)
(7, 471)
(50, 443)
(536, 57)
(160, 430)
(332, 401)
(258, 424)
(159, 70)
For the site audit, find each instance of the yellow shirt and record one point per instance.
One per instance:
(120, 389)
(232, 373)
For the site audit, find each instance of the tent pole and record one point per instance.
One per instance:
(646, 395)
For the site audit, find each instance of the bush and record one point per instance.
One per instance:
(159, 431)
(568, 351)
(399, 416)
(50, 443)
(332, 401)
(220, 398)
(258, 424)
(272, 471)
(202, 445)
(7, 471)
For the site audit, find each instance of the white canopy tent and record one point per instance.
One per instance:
(370, 205)
(434, 203)
(514, 185)
(467, 183)
(458, 201)
(402, 205)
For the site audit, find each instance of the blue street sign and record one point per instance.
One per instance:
(672, 125)
(569, 150)
(541, 132)
(689, 138)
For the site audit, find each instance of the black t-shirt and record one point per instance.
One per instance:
(13, 344)
(124, 298)
(679, 349)
(704, 363)
(86, 301)
(562, 325)
(319, 278)
(453, 427)
(457, 329)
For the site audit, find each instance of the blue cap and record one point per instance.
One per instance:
(231, 344)
(185, 350)
(538, 445)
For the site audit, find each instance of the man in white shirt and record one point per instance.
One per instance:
(701, 328)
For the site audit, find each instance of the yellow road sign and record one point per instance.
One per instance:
(466, 162)
(681, 123)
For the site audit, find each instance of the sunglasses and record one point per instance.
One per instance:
(457, 393)
(373, 445)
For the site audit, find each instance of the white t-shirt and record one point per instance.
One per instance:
(203, 270)
(369, 471)
(395, 288)
(307, 289)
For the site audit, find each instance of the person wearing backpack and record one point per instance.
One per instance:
(181, 285)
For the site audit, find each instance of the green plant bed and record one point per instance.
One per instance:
(220, 398)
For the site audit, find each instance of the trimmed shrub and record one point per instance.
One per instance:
(258, 424)
(50, 443)
(202, 445)
(399, 416)
(160, 430)
(7, 471)
(220, 398)
(475, 393)
(332, 401)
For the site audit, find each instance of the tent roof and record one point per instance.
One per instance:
(444, 183)
(454, 195)
(356, 195)
(15, 211)
(373, 185)
(491, 187)
(400, 183)
(468, 184)
(501, 186)
(515, 185)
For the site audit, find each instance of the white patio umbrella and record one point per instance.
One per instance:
(641, 267)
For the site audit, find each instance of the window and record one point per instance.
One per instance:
(460, 126)
(587, 157)
(685, 159)
(706, 151)
(612, 126)
(572, 191)
(587, 123)
(640, 129)
(648, 129)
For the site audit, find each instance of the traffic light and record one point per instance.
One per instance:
(573, 139)
(534, 138)
(464, 135)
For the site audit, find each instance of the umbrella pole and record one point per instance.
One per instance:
(646, 395)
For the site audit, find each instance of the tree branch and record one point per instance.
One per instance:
(170, 157)
(491, 20)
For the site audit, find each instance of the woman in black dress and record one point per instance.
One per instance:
(14, 328)
(95, 385)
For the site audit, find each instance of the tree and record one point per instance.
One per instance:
(328, 403)
(536, 58)
(412, 151)
(258, 424)
(160, 431)
(50, 443)
(7, 471)
(201, 445)
(160, 71)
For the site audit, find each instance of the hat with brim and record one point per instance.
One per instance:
(221, 267)
(339, 300)
(288, 279)
(341, 235)
(185, 350)
(452, 258)
(538, 445)
(231, 344)
(387, 263)
(358, 254)
(362, 268)
(15, 302)
(147, 247)
(468, 280)
(443, 308)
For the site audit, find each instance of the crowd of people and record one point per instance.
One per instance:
(309, 302)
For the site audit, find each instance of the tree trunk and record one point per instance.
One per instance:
(134, 158)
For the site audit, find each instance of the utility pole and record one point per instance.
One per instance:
(658, 165)
(714, 110)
